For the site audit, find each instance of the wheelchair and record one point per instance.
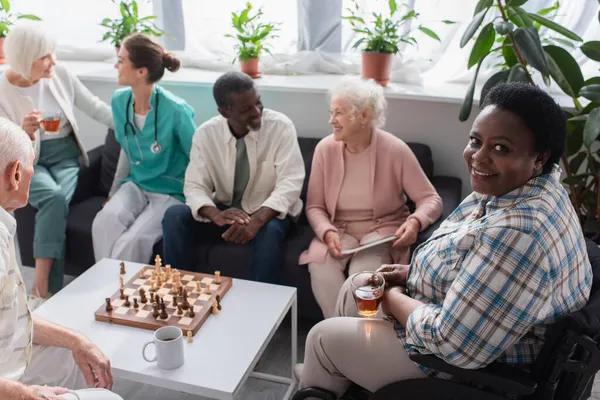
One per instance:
(564, 369)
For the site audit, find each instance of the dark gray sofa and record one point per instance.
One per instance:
(95, 181)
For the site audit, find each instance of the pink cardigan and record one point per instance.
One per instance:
(395, 170)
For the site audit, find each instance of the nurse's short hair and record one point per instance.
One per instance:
(15, 145)
(361, 94)
(24, 44)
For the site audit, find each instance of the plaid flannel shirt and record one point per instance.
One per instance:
(16, 323)
(496, 274)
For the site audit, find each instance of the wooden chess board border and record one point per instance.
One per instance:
(153, 324)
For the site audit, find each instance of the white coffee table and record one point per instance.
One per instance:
(225, 349)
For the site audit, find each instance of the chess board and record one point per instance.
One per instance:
(142, 317)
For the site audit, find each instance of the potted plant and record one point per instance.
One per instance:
(512, 41)
(6, 20)
(382, 38)
(251, 35)
(129, 23)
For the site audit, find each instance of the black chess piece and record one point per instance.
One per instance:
(127, 302)
(155, 312)
(175, 301)
(109, 306)
(135, 304)
(191, 314)
(163, 312)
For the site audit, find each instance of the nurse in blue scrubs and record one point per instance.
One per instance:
(155, 129)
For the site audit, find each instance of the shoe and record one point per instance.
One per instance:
(298, 368)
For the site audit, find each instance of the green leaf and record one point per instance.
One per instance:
(465, 108)
(591, 92)
(517, 74)
(546, 11)
(429, 33)
(519, 17)
(564, 70)
(591, 130)
(592, 81)
(393, 6)
(29, 17)
(528, 43)
(472, 28)
(574, 140)
(483, 5)
(591, 49)
(574, 180)
(498, 77)
(483, 44)
(5, 5)
(555, 27)
(448, 22)
(515, 3)
(576, 161)
(509, 53)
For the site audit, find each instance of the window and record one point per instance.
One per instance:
(75, 24)
(206, 23)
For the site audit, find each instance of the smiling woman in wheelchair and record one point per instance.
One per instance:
(505, 265)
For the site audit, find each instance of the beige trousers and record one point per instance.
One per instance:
(54, 366)
(327, 279)
(364, 351)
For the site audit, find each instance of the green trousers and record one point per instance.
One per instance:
(52, 188)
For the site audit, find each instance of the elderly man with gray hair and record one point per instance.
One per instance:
(36, 88)
(34, 352)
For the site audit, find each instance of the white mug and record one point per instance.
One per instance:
(168, 342)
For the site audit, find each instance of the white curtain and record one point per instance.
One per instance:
(313, 38)
(75, 24)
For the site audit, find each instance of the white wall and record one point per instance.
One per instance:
(433, 123)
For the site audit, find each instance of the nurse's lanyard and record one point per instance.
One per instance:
(155, 147)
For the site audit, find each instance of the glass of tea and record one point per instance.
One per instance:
(367, 288)
(51, 122)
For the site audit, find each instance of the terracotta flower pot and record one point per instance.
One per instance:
(377, 66)
(250, 67)
(2, 58)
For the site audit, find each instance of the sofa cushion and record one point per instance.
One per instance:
(80, 251)
(110, 158)
(423, 154)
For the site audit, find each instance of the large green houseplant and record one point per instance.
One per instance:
(7, 19)
(251, 37)
(513, 38)
(379, 37)
(128, 23)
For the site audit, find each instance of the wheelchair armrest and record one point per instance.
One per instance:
(501, 377)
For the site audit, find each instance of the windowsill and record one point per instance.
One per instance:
(452, 93)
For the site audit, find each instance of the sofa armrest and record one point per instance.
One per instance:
(501, 377)
(88, 176)
(450, 190)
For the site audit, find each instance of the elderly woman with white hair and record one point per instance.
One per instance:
(33, 88)
(356, 192)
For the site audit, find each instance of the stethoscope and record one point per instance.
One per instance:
(155, 147)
